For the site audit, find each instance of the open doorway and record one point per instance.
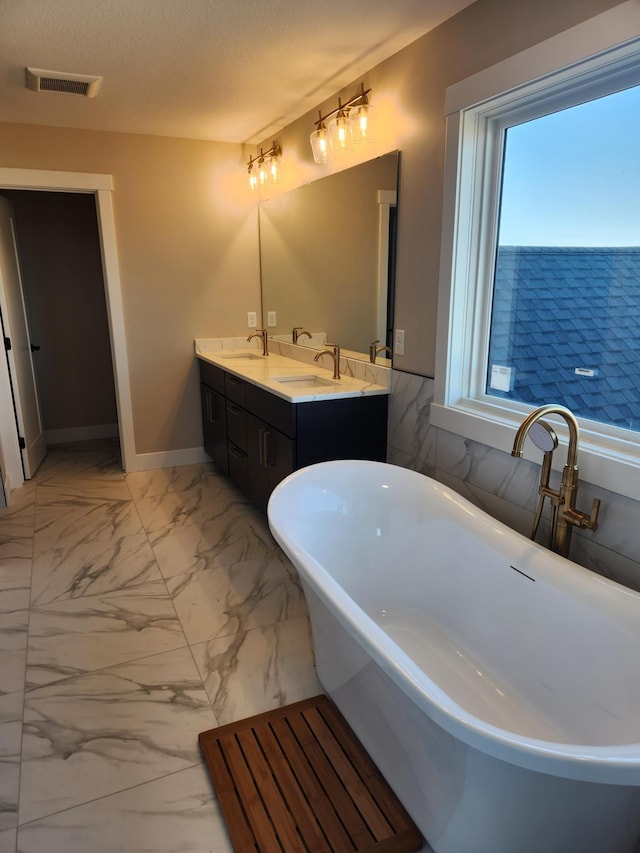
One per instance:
(63, 292)
(99, 187)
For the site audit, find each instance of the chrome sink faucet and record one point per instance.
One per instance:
(334, 352)
(260, 333)
(375, 350)
(565, 516)
(297, 332)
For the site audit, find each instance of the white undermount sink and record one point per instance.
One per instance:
(226, 355)
(303, 380)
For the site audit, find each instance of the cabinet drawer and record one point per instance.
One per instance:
(234, 388)
(237, 425)
(272, 409)
(239, 468)
(212, 376)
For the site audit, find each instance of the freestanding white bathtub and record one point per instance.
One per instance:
(495, 684)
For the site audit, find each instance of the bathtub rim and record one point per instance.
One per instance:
(615, 764)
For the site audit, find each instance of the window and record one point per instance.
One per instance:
(565, 317)
(540, 267)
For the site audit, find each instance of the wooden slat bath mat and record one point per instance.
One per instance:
(297, 780)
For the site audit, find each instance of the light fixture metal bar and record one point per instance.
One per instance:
(274, 151)
(360, 96)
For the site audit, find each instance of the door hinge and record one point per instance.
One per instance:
(7, 344)
(21, 442)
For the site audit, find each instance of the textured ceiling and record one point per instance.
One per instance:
(226, 70)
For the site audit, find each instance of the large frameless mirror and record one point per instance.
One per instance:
(327, 252)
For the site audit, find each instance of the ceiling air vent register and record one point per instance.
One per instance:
(60, 81)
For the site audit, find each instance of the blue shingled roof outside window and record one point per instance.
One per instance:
(556, 309)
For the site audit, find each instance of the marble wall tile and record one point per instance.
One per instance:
(81, 635)
(232, 537)
(410, 429)
(253, 671)
(92, 568)
(480, 472)
(221, 601)
(104, 732)
(509, 513)
(175, 813)
(11, 706)
(8, 841)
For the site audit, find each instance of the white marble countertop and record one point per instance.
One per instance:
(293, 380)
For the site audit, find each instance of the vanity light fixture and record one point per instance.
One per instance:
(349, 122)
(263, 168)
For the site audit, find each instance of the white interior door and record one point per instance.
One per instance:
(16, 330)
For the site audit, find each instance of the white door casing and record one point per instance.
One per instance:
(100, 186)
(16, 329)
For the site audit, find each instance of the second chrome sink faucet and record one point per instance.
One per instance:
(334, 352)
(564, 516)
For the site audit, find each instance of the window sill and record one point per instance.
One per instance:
(612, 464)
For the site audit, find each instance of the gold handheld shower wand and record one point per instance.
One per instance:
(546, 440)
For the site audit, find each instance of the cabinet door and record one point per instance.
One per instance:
(214, 427)
(270, 456)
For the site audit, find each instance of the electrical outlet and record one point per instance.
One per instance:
(398, 346)
(252, 319)
(271, 318)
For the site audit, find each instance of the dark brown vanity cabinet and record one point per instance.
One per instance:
(262, 437)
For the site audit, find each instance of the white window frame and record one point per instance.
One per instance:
(591, 60)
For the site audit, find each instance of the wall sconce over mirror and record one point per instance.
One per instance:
(349, 124)
(263, 169)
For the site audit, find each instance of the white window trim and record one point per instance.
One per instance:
(597, 57)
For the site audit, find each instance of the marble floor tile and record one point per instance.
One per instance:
(253, 671)
(11, 707)
(158, 511)
(82, 635)
(78, 521)
(97, 734)
(92, 568)
(217, 602)
(55, 494)
(15, 580)
(238, 535)
(80, 464)
(180, 478)
(13, 650)
(175, 813)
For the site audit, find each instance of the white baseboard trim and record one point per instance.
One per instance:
(169, 458)
(86, 433)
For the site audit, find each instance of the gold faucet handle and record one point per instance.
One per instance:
(591, 522)
(581, 519)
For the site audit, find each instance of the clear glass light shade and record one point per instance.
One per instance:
(320, 144)
(360, 120)
(272, 170)
(263, 171)
(253, 179)
(339, 130)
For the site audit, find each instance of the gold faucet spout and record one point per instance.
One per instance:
(334, 352)
(536, 415)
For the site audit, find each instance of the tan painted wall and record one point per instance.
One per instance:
(408, 93)
(186, 230)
